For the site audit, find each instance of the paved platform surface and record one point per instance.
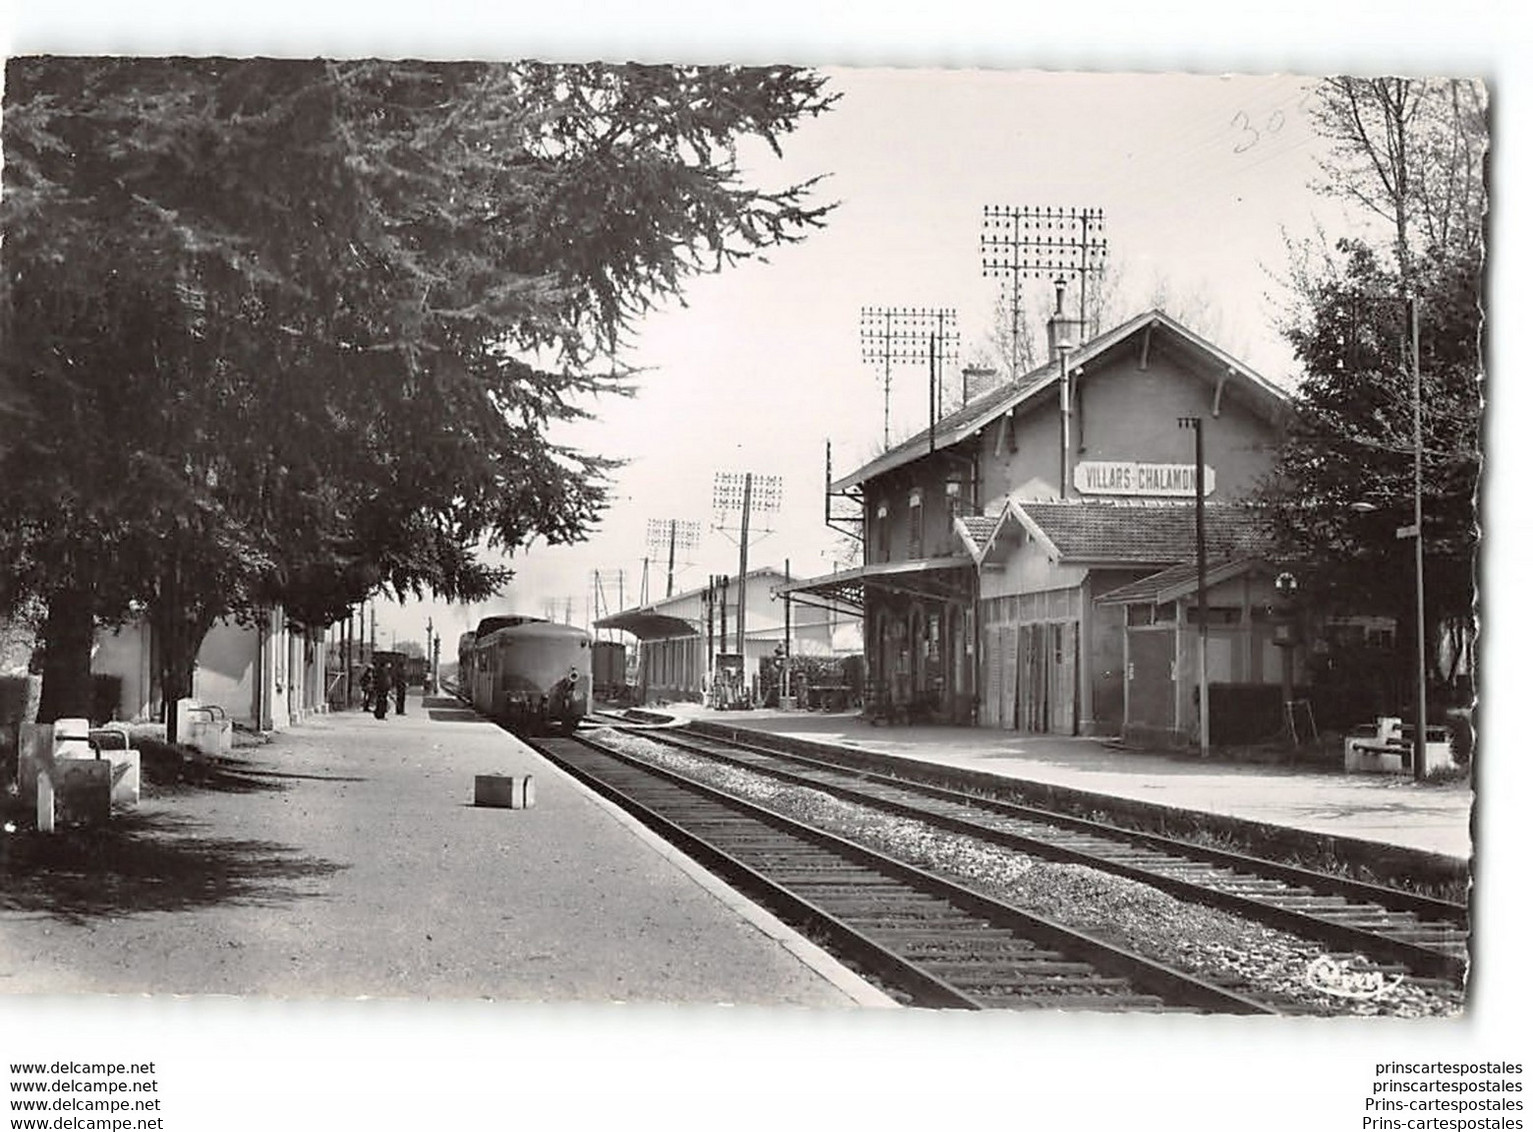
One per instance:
(345, 859)
(1389, 809)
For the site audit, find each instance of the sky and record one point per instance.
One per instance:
(1200, 172)
(1198, 177)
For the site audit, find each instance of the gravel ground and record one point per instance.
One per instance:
(1264, 963)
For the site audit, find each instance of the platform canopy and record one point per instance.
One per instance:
(1179, 581)
(941, 578)
(648, 625)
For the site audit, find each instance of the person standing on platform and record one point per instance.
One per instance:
(381, 693)
(399, 687)
(367, 687)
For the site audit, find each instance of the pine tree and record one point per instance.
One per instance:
(295, 331)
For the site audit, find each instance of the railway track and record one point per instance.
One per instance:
(929, 941)
(1424, 936)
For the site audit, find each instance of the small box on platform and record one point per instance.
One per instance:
(505, 791)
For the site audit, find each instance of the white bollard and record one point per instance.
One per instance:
(62, 769)
(114, 742)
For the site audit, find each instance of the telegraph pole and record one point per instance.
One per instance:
(708, 603)
(600, 606)
(723, 603)
(749, 492)
(665, 536)
(745, 553)
(906, 335)
(787, 631)
(1017, 242)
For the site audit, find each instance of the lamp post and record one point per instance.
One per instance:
(1411, 339)
(1196, 424)
(1285, 637)
(1419, 756)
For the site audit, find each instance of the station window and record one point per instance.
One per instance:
(1217, 614)
(881, 525)
(917, 526)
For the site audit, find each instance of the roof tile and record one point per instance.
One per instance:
(979, 527)
(1149, 534)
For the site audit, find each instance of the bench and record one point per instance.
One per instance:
(922, 707)
(827, 697)
(1387, 747)
(204, 726)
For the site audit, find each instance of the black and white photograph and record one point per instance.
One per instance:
(749, 572)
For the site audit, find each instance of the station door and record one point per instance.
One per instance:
(1150, 679)
(1046, 677)
(1005, 670)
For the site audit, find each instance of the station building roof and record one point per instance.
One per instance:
(678, 615)
(1132, 534)
(1203, 356)
(1146, 535)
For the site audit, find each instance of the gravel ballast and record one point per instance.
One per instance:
(1265, 963)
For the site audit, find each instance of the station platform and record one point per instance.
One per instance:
(346, 858)
(1388, 810)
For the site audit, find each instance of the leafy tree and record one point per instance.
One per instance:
(1344, 481)
(296, 331)
(1412, 152)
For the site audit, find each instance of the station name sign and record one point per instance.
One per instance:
(1125, 477)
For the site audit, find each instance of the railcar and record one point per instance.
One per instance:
(609, 671)
(530, 674)
(463, 682)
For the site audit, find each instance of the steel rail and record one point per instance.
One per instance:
(1398, 899)
(1174, 987)
(1417, 957)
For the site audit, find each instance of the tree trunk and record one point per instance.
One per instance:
(175, 672)
(68, 634)
(179, 633)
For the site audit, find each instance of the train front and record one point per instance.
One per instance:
(545, 675)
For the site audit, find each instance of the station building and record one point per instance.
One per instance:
(266, 675)
(679, 635)
(1030, 558)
